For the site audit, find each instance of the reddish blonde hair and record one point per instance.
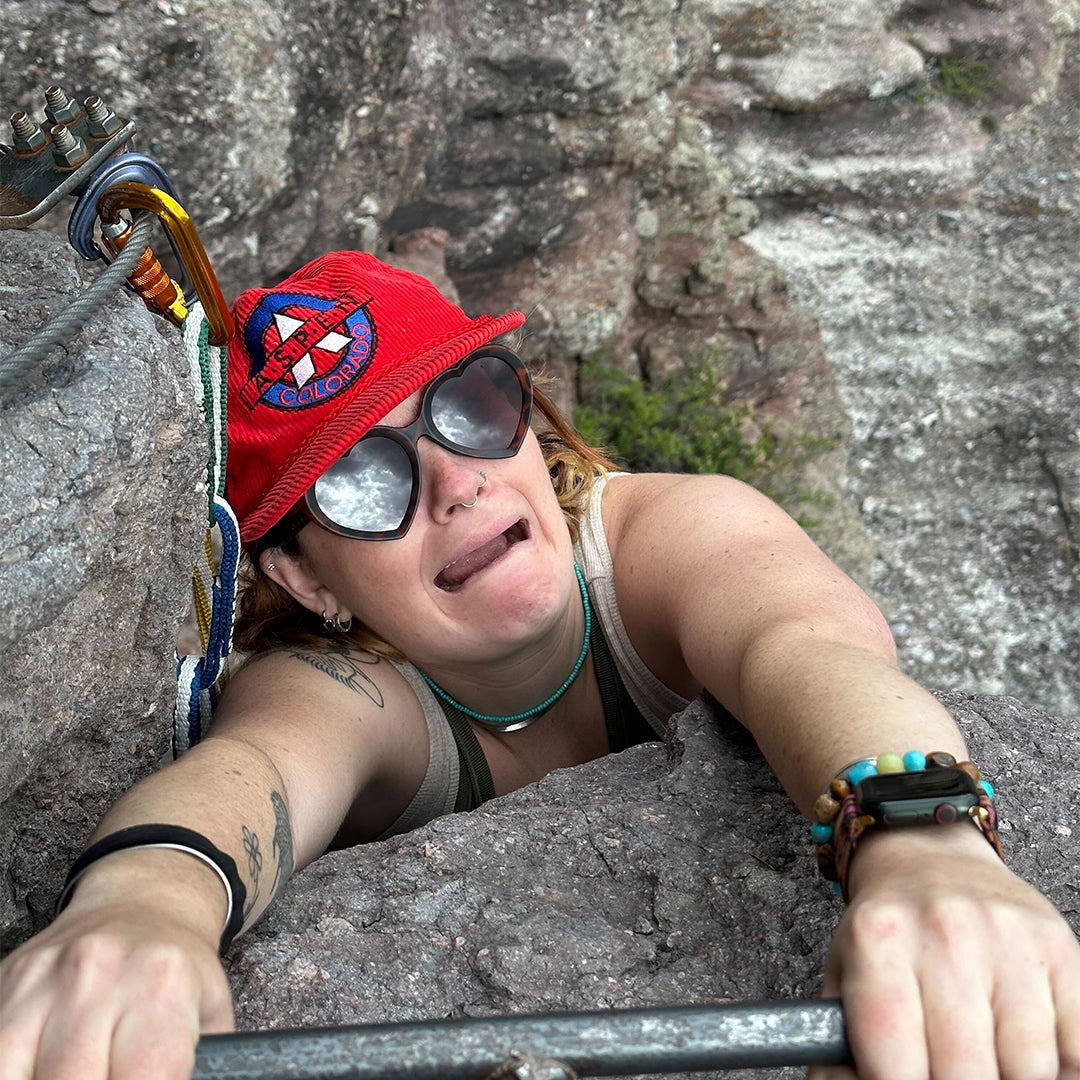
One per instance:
(269, 618)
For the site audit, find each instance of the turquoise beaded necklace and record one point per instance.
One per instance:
(523, 719)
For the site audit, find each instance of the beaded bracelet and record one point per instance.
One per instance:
(838, 825)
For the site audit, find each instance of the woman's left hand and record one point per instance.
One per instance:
(949, 966)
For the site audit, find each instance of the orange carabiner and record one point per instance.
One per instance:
(158, 291)
(175, 219)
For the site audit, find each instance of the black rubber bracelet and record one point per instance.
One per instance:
(176, 838)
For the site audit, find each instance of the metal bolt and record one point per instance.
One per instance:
(29, 138)
(115, 230)
(59, 108)
(521, 1066)
(101, 120)
(68, 150)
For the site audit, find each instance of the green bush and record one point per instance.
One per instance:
(686, 425)
(959, 77)
(681, 427)
(964, 78)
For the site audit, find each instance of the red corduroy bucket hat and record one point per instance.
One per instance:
(316, 361)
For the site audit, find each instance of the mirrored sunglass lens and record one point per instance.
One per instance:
(369, 489)
(481, 407)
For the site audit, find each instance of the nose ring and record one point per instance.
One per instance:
(476, 497)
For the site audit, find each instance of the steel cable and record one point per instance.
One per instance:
(61, 329)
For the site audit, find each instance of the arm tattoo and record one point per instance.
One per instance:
(346, 668)
(282, 848)
(254, 865)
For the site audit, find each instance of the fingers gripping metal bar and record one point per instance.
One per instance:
(181, 230)
(617, 1043)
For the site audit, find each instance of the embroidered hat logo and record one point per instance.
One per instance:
(305, 349)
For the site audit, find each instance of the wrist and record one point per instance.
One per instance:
(166, 837)
(167, 885)
(891, 792)
(916, 853)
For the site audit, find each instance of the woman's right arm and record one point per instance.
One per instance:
(123, 982)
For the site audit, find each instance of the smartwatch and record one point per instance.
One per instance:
(937, 796)
(931, 797)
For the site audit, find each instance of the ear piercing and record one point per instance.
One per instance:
(334, 623)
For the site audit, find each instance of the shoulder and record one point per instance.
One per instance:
(680, 544)
(301, 670)
(697, 531)
(353, 670)
(331, 706)
(648, 507)
(707, 565)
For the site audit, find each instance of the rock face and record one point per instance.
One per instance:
(592, 162)
(659, 876)
(103, 512)
(952, 330)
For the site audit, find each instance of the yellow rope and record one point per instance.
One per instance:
(202, 606)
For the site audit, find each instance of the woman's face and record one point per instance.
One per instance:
(465, 584)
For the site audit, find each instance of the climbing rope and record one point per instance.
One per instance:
(61, 329)
(200, 675)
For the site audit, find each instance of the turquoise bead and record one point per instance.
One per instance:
(821, 833)
(914, 761)
(837, 888)
(860, 771)
(987, 787)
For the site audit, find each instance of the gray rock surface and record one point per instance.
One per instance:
(103, 513)
(592, 160)
(954, 334)
(659, 876)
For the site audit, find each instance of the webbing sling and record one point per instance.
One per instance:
(200, 676)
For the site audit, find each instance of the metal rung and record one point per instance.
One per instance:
(616, 1043)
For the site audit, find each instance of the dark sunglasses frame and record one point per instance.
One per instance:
(308, 508)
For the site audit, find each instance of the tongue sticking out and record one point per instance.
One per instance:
(455, 575)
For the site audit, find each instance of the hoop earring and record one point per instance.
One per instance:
(335, 625)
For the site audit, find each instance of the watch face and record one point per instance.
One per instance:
(935, 796)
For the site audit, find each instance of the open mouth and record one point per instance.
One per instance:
(451, 577)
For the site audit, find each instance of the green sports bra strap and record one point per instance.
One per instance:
(623, 720)
(475, 785)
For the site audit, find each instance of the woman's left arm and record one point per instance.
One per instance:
(948, 964)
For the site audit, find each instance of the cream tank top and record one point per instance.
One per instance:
(656, 701)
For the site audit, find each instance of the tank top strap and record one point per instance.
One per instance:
(475, 785)
(625, 724)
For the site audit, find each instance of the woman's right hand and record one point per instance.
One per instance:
(111, 991)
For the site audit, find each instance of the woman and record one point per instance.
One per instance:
(446, 604)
